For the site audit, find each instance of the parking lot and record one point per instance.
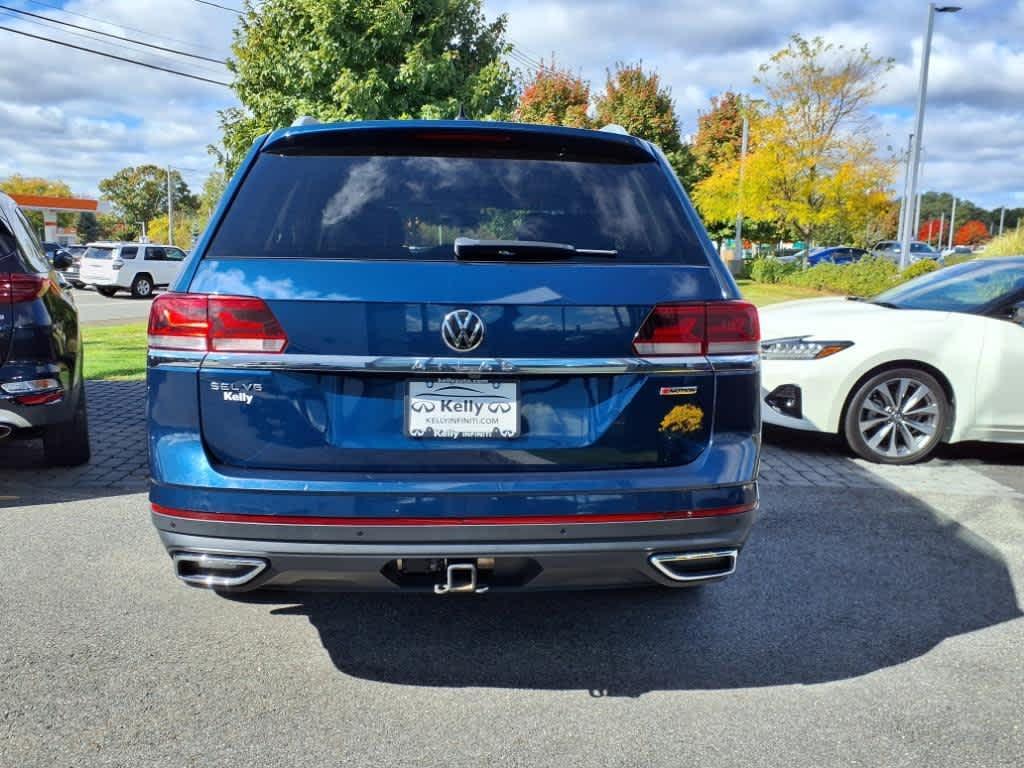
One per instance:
(874, 619)
(120, 308)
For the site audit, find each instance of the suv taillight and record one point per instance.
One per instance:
(707, 328)
(17, 288)
(214, 324)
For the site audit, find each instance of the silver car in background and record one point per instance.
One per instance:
(890, 249)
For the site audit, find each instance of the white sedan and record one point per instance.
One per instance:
(937, 359)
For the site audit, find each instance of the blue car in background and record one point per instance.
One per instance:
(453, 357)
(836, 254)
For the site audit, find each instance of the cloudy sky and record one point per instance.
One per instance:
(73, 115)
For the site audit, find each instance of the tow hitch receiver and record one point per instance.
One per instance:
(460, 578)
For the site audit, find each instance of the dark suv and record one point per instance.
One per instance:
(41, 389)
(453, 357)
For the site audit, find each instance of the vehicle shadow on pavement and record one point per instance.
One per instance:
(833, 585)
(119, 464)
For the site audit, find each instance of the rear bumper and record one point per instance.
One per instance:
(27, 417)
(413, 558)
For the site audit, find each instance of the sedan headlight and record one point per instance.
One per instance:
(799, 348)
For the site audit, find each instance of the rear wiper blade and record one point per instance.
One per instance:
(471, 249)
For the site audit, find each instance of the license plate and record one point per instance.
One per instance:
(457, 408)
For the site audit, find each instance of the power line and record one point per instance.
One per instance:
(99, 40)
(109, 34)
(218, 5)
(116, 58)
(120, 26)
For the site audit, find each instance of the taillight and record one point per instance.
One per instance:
(733, 328)
(17, 288)
(214, 324)
(116, 264)
(243, 324)
(712, 328)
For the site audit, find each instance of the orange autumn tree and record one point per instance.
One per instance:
(934, 228)
(554, 97)
(971, 233)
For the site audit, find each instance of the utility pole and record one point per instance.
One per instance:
(922, 91)
(1002, 219)
(942, 227)
(917, 203)
(738, 250)
(952, 223)
(906, 186)
(170, 209)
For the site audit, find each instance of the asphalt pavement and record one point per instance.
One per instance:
(865, 626)
(118, 309)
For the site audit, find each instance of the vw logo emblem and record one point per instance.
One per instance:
(462, 330)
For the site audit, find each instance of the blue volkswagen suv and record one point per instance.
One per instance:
(453, 357)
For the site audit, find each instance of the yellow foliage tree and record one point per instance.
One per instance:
(156, 230)
(812, 165)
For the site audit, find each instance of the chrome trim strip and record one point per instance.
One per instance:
(217, 563)
(659, 562)
(516, 366)
(175, 358)
(747, 362)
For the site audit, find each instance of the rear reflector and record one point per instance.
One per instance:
(34, 391)
(711, 328)
(370, 522)
(17, 288)
(205, 323)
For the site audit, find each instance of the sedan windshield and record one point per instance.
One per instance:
(966, 287)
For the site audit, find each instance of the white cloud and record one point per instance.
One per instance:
(71, 115)
(976, 87)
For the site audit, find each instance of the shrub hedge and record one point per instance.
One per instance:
(866, 277)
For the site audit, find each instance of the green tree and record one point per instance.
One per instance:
(140, 193)
(363, 59)
(719, 132)
(555, 97)
(209, 197)
(33, 185)
(637, 100)
(813, 166)
(89, 228)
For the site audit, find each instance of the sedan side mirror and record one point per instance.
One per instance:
(62, 260)
(1017, 313)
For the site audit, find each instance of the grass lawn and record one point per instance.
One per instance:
(119, 351)
(115, 351)
(763, 294)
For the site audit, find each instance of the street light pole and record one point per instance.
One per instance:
(922, 91)
(738, 250)
(1002, 219)
(952, 223)
(170, 209)
(906, 186)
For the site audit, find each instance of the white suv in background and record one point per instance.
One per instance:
(135, 267)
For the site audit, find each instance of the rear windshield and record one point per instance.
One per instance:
(98, 253)
(414, 207)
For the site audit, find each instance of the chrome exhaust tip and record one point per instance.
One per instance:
(5, 430)
(201, 569)
(696, 566)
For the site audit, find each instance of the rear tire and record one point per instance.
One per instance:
(67, 444)
(106, 291)
(142, 287)
(897, 417)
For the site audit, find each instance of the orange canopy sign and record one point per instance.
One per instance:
(46, 203)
